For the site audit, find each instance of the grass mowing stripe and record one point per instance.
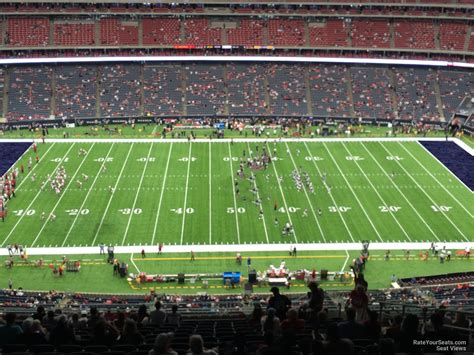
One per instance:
(440, 184)
(281, 191)
(186, 192)
(400, 192)
(307, 197)
(353, 192)
(233, 189)
(136, 195)
(62, 195)
(258, 196)
(34, 199)
(377, 193)
(87, 195)
(112, 195)
(210, 195)
(330, 195)
(161, 195)
(423, 190)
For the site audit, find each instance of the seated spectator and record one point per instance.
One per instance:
(142, 315)
(10, 331)
(408, 334)
(461, 321)
(104, 333)
(40, 313)
(351, 329)
(130, 334)
(292, 322)
(271, 323)
(94, 318)
(173, 318)
(372, 326)
(49, 320)
(162, 345)
(33, 333)
(335, 345)
(280, 303)
(256, 315)
(61, 333)
(196, 346)
(395, 328)
(157, 317)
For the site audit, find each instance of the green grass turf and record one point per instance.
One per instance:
(197, 203)
(96, 276)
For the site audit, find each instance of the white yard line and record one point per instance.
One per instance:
(161, 195)
(434, 177)
(133, 262)
(427, 195)
(186, 192)
(210, 195)
(345, 262)
(88, 193)
(112, 195)
(353, 193)
(378, 194)
(258, 196)
(330, 195)
(63, 193)
(34, 199)
(136, 195)
(281, 191)
(232, 177)
(401, 193)
(307, 197)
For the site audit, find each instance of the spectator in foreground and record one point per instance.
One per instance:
(409, 333)
(335, 344)
(157, 317)
(271, 323)
(62, 333)
(359, 301)
(10, 331)
(33, 333)
(196, 346)
(351, 329)
(173, 318)
(292, 323)
(280, 303)
(162, 345)
(130, 334)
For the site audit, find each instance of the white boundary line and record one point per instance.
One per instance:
(345, 262)
(85, 199)
(34, 198)
(245, 248)
(306, 193)
(232, 177)
(353, 193)
(186, 192)
(378, 194)
(428, 195)
(281, 190)
(446, 168)
(235, 140)
(112, 195)
(332, 197)
(258, 195)
(400, 191)
(161, 194)
(136, 195)
(210, 195)
(133, 262)
(63, 193)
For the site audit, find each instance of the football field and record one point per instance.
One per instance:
(181, 193)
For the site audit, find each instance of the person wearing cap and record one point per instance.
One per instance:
(162, 345)
(279, 302)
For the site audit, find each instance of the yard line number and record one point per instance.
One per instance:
(75, 212)
(102, 159)
(232, 210)
(335, 209)
(128, 211)
(188, 210)
(313, 158)
(24, 213)
(231, 158)
(145, 159)
(57, 160)
(386, 209)
(290, 209)
(394, 157)
(354, 157)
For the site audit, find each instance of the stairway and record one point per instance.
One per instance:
(226, 90)
(467, 40)
(308, 92)
(439, 103)
(349, 90)
(141, 99)
(436, 35)
(53, 91)
(97, 92)
(393, 83)
(184, 96)
(6, 85)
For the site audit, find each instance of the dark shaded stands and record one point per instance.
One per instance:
(236, 324)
